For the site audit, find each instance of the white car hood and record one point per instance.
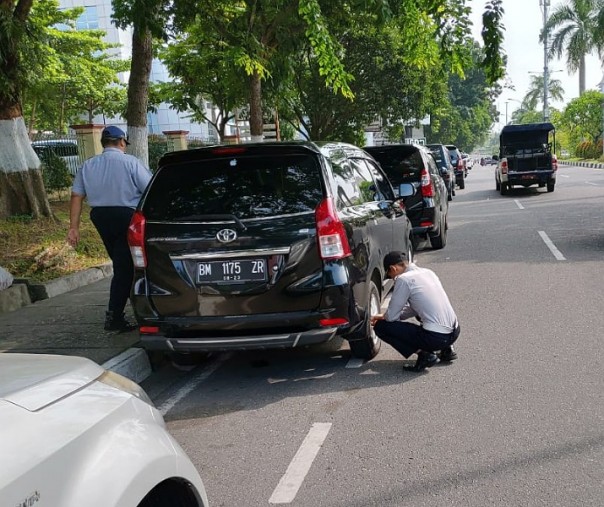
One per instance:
(22, 375)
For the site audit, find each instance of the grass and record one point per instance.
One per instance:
(38, 250)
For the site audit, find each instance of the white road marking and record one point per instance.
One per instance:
(551, 246)
(290, 483)
(591, 183)
(518, 204)
(169, 404)
(564, 175)
(355, 362)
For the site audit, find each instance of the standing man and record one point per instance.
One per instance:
(417, 293)
(113, 182)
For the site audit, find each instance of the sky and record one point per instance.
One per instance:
(523, 21)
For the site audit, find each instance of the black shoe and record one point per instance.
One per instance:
(424, 360)
(118, 323)
(447, 355)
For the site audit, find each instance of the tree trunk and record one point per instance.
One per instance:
(22, 190)
(256, 120)
(582, 76)
(138, 94)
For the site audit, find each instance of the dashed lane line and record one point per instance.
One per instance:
(550, 244)
(518, 204)
(290, 483)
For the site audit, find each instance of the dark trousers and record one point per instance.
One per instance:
(407, 338)
(112, 224)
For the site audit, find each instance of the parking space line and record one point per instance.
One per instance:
(550, 244)
(518, 204)
(169, 404)
(290, 483)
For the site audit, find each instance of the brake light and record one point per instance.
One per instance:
(148, 329)
(331, 235)
(554, 162)
(333, 322)
(228, 150)
(426, 184)
(136, 239)
(504, 166)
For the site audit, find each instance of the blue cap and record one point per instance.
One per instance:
(113, 132)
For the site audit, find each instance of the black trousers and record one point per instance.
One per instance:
(407, 338)
(112, 224)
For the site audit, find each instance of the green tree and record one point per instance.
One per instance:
(582, 117)
(573, 29)
(534, 95)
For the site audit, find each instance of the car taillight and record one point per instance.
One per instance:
(504, 167)
(136, 239)
(426, 184)
(331, 236)
(554, 162)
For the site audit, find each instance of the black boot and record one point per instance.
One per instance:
(447, 355)
(424, 360)
(117, 322)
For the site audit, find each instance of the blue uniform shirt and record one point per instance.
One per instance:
(112, 178)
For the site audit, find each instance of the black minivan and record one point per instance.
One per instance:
(267, 245)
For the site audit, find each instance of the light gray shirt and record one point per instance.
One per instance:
(112, 178)
(418, 292)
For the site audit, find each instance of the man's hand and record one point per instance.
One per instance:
(73, 237)
(377, 317)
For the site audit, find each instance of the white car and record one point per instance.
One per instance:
(74, 434)
(66, 149)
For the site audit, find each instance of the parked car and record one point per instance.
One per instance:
(468, 161)
(428, 207)
(443, 161)
(458, 165)
(75, 434)
(263, 246)
(66, 149)
(526, 157)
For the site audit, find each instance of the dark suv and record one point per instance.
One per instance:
(269, 245)
(459, 165)
(443, 161)
(428, 207)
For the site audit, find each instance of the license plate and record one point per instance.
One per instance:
(528, 177)
(248, 270)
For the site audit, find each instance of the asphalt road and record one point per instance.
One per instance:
(517, 420)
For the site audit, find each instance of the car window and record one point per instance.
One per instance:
(401, 167)
(247, 187)
(383, 186)
(348, 182)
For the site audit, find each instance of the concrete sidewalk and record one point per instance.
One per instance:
(71, 323)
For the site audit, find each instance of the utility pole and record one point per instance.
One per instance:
(545, 5)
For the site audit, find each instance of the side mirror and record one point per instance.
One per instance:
(406, 190)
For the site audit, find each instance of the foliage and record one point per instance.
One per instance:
(55, 172)
(157, 147)
(575, 32)
(582, 117)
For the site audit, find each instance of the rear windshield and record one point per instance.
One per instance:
(438, 155)
(401, 166)
(244, 186)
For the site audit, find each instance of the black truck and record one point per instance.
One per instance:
(526, 157)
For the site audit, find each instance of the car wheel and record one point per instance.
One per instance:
(368, 346)
(411, 250)
(503, 188)
(497, 185)
(550, 186)
(462, 184)
(440, 240)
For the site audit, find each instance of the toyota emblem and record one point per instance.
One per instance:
(226, 235)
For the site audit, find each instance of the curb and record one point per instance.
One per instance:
(132, 363)
(23, 292)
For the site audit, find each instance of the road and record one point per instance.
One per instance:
(517, 420)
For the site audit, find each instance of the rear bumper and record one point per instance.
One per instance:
(218, 343)
(528, 178)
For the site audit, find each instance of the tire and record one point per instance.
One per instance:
(440, 240)
(497, 185)
(550, 186)
(462, 184)
(369, 345)
(503, 188)
(411, 247)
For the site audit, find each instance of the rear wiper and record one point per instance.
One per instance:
(232, 218)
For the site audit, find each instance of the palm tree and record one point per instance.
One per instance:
(534, 95)
(573, 29)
